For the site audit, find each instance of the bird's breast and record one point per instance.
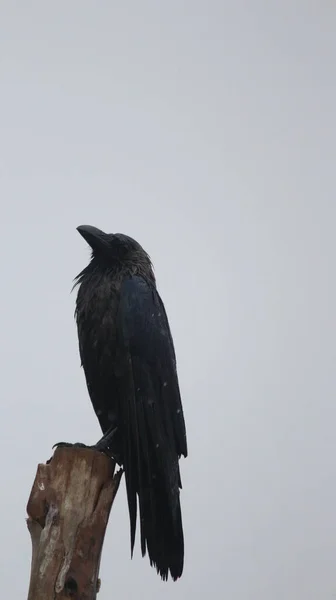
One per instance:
(96, 313)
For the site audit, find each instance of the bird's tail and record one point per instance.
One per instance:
(152, 474)
(161, 529)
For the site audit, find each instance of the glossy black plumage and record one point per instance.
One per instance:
(128, 357)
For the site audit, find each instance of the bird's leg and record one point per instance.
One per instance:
(107, 438)
(103, 445)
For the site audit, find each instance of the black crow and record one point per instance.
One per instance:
(128, 357)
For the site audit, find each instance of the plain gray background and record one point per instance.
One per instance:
(206, 130)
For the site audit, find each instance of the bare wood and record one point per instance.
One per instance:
(68, 511)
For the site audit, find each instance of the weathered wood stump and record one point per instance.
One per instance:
(68, 511)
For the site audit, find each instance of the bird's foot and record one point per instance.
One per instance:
(69, 445)
(103, 445)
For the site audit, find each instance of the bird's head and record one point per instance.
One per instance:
(114, 249)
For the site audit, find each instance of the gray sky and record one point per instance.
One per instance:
(206, 130)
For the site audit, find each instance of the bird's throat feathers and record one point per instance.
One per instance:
(139, 264)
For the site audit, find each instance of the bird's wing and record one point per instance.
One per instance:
(150, 404)
(143, 322)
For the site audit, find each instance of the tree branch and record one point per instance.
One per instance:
(68, 511)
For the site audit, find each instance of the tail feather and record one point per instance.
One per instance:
(152, 473)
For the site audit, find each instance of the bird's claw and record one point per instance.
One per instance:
(69, 445)
(62, 445)
(101, 446)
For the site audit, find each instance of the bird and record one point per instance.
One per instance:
(127, 353)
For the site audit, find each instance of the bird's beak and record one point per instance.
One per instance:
(96, 238)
